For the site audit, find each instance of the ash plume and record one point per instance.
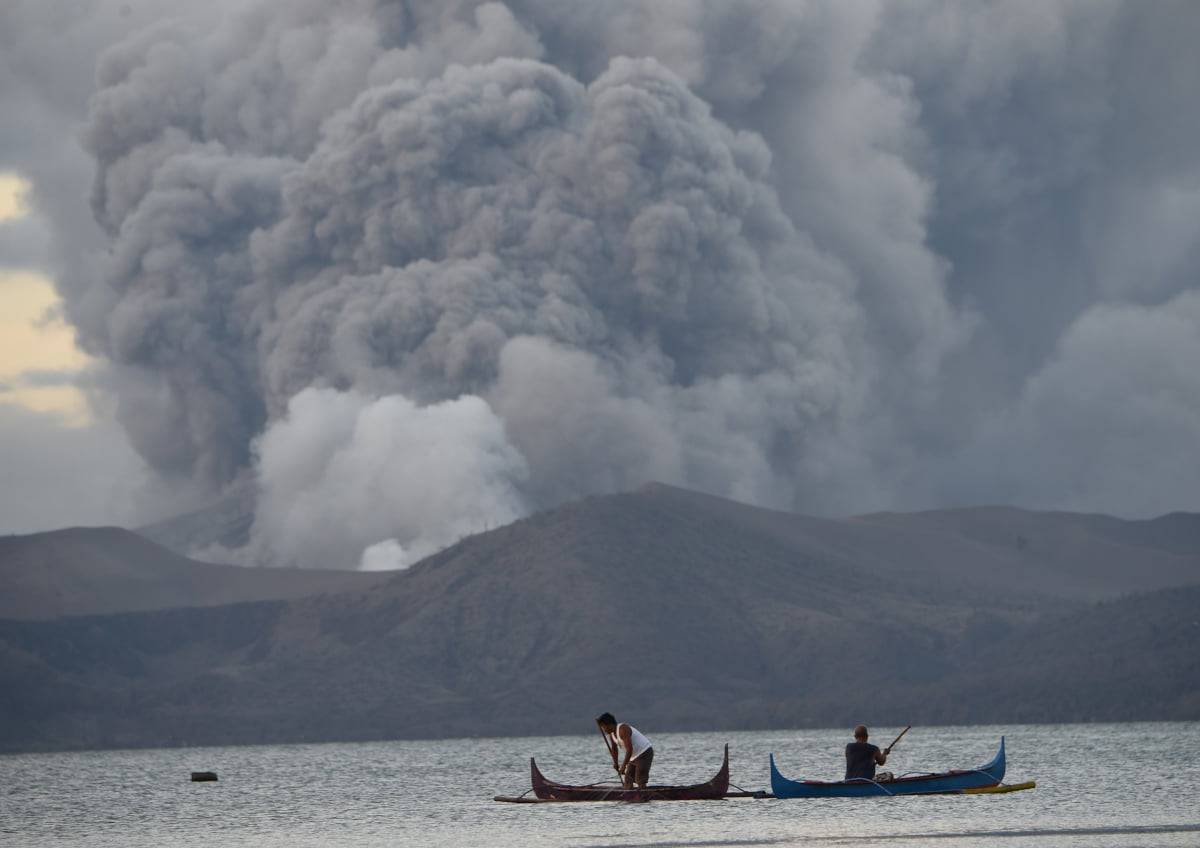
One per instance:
(601, 270)
(418, 269)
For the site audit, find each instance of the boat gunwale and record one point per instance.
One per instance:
(907, 779)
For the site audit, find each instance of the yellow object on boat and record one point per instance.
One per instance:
(1003, 787)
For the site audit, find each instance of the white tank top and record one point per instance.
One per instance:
(636, 738)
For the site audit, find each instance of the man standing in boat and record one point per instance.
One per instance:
(862, 757)
(639, 754)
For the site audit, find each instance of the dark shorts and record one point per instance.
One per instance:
(638, 771)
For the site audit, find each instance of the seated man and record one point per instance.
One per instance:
(862, 757)
(639, 754)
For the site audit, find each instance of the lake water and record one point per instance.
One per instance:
(1098, 785)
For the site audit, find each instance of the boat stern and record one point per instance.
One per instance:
(997, 766)
(541, 787)
(779, 783)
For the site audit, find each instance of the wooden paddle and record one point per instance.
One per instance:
(888, 749)
(612, 752)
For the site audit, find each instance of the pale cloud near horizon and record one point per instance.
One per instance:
(55, 474)
(59, 464)
(825, 257)
(35, 342)
(33, 335)
(13, 203)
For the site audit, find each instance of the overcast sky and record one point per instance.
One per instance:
(407, 270)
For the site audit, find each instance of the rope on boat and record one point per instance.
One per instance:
(596, 785)
(868, 780)
(984, 773)
(513, 798)
(604, 785)
(922, 774)
(759, 794)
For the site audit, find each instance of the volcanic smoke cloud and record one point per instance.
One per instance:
(418, 269)
(460, 292)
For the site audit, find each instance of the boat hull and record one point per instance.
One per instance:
(548, 790)
(949, 782)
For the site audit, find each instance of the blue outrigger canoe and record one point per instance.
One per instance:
(941, 783)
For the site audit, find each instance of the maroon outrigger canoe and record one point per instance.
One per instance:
(548, 790)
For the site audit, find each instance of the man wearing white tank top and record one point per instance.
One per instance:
(639, 754)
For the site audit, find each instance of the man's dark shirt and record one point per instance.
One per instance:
(860, 760)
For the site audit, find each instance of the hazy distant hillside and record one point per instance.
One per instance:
(225, 522)
(1064, 553)
(998, 550)
(682, 610)
(93, 570)
(1136, 656)
(1001, 550)
(1176, 533)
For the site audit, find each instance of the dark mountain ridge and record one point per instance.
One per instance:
(680, 609)
(96, 570)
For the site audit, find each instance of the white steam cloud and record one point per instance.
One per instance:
(341, 467)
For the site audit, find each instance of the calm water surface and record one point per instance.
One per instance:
(1118, 785)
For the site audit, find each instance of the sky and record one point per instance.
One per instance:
(390, 273)
(37, 348)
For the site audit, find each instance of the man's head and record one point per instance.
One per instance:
(607, 723)
(860, 733)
